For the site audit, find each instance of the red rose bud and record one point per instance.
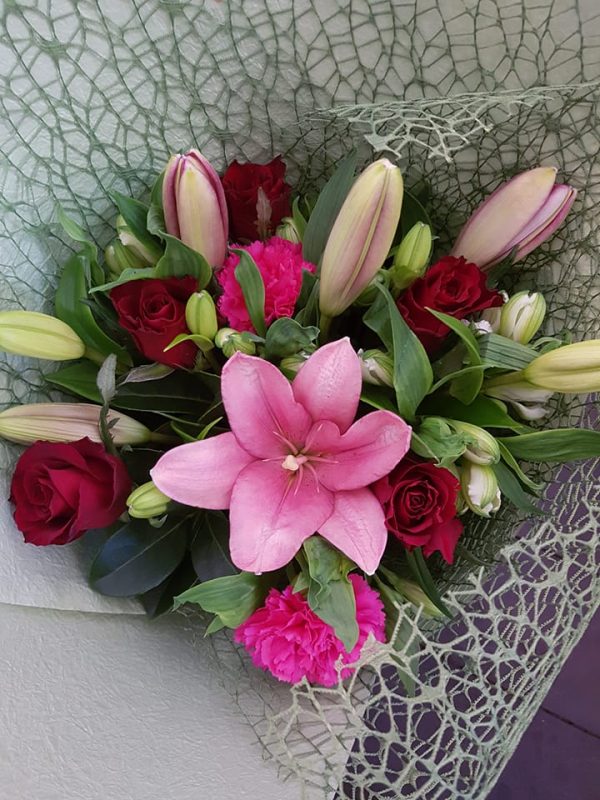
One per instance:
(153, 311)
(521, 214)
(62, 490)
(419, 502)
(194, 206)
(258, 198)
(453, 286)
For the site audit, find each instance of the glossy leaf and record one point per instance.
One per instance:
(138, 557)
(251, 283)
(412, 370)
(179, 260)
(210, 547)
(327, 208)
(160, 600)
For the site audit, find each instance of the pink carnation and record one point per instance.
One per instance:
(287, 638)
(281, 265)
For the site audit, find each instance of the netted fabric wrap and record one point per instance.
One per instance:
(96, 95)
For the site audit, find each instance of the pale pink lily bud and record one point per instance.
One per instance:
(520, 215)
(361, 236)
(67, 422)
(194, 206)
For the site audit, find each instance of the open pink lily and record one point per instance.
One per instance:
(294, 463)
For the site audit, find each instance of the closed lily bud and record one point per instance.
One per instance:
(67, 422)
(361, 236)
(483, 449)
(525, 398)
(412, 257)
(293, 363)
(29, 333)
(479, 488)
(521, 317)
(129, 240)
(119, 257)
(489, 320)
(201, 315)
(231, 341)
(572, 369)
(520, 215)
(288, 229)
(194, 206)
(147, 501)
(377, 367)
(415, 595)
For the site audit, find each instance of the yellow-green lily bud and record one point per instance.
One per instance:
(483, 449)
(479, 488)
(377, 367)
(231, 341)
(68, 422)
(293, 363)
(522, 316)
(128, 239)
(288, 229)
(147, 501)
(29, 333)
(415, 595)
(201, 315)
(412, 257)
(572, 369)
(118, 257)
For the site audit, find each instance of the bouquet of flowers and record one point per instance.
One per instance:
(289, 406)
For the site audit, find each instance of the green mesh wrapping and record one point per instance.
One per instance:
(96, 95)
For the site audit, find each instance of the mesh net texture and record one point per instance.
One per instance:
(96, 95)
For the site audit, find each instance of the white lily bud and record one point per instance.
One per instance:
(377, 367)
(128, 239)
(484, 449)
(526, 399)
(479, 488)
(522, 316)
(490, 320)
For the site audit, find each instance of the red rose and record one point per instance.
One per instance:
(153, 311)
(61, 490)
(454, 286)
(419, 502)
(255, 214)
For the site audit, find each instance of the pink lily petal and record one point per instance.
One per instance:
(548, 219)
(261, 408)
(269, 520)
(369, 450)
(201, 474)
(357, 528)
(329, 384)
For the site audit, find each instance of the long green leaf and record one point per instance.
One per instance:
(467, 386)
(70, 308)
(512, 463)
(511, 488)
(251, 283)
(556, 446)
(498, 351)
(421, 572)
(412, 369)
(327, 208)
(412, 212)
(210, 547)
(135, 215)
(138, 557)
(483, 412)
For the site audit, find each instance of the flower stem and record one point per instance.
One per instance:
(324, 326)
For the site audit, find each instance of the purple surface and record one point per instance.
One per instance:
(559, 755)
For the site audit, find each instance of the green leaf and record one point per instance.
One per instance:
(511, 462)
(298, 217)
(210, 547)
(412, 212)
(556, 446)
(138, 557)
(202, 342)
(466, 387)
(498, 351)
(76, 232)
(330, 592)
(177, 393)
(435, 440)
(251, 283)
(135, 215)
(286, 337)
(231, 598)
(78, 379)
(159, 600)
(327, 208)
(128, 275)
(421, 572)
(72, 290)
(378, 397)
(180, 261)
(412, 370)
(483, 412)
(511, 488)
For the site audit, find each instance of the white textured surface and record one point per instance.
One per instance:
(98, 707)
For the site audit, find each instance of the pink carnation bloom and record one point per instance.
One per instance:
(289, 640)
(281, 265)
